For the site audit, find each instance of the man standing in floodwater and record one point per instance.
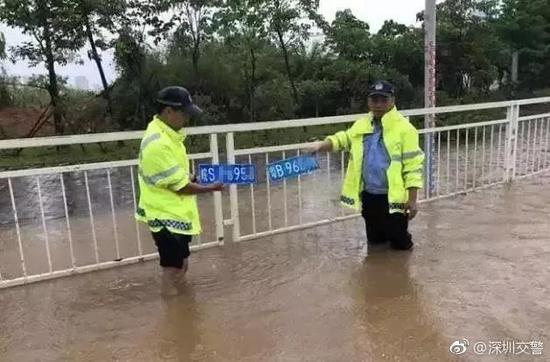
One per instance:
(168, 191)
(385, 170)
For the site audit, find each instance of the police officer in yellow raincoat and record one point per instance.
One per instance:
(385, 168)
(168, 191)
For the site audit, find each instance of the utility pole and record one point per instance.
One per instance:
(429, 91)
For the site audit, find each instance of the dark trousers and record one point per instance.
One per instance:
(382, 226)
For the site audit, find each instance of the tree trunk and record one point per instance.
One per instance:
(288, 70)
(97, 59)
(53, 87)
(195, 58)
(253, 86)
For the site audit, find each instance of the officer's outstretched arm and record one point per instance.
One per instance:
(339, 141)
(195, 189)
(324, 146)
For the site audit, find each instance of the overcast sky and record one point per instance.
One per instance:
(375, 12)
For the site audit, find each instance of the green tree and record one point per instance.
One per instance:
(192, 19)
(5, 97)
(56, 39)
(290, 23)
(470, 53)
(97, 17)
(138, 77)
(523, 26)
(243, 25)
(401, 48)
(349, 37)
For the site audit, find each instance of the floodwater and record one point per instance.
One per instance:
(96, 223)
(479, 271)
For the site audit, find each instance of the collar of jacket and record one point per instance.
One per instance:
(365, 125)
(176, 136)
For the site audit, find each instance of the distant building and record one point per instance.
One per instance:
(81, 82)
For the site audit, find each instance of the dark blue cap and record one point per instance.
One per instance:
(179, 97)
(382, 88)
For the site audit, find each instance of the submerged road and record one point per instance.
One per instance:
(480, 271)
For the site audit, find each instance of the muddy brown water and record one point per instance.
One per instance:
(479, 271)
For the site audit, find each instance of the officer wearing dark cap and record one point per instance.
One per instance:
(385, 168)
(168, 191)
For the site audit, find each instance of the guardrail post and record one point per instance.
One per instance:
(233, 192)
(218, 211)
(430, 180)
(511, 146)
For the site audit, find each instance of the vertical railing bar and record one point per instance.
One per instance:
(285, 201)
(115, 227)
(17, 229)
(539, 147)
(68, 222)
(193, 172)
(500, 158)
(544, 147)
(252, 201)
(438, 187)
(299, 194)
(535, 146)
(342, 174)
(483, 156)
(44, 226)
(268, 181)
(491, 154)
(448, 162)
(542, 141)
(547, 142)
(475, 159)
(457, 160)
(217, 196)
(233, 189)
(134, 200)
(528, 146)
(467, 160)
(523, 145)
(515, 116)
(92, 223)
(329, 180)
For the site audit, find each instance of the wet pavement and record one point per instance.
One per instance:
(479, 271)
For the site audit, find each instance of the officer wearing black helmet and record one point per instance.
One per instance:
(168, 191)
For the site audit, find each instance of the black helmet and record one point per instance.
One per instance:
(179, 97)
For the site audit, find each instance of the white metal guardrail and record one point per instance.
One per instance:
(29, 243)
(74, 219)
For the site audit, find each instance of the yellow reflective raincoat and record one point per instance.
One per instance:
(402, 143)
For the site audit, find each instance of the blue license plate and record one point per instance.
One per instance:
(292, 167)
(227, 174)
